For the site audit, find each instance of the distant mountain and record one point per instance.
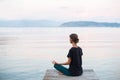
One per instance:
(49, 23)
(28, 23)
(89, 24)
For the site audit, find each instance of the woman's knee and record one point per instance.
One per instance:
(56, 65)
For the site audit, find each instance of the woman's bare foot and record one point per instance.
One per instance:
(60, 73)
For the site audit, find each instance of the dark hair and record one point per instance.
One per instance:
(74, 38)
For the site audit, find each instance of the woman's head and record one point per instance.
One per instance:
(74, 38)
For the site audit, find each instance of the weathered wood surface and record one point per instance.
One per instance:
(88, 74)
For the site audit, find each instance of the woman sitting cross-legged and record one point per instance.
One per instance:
(74, 59)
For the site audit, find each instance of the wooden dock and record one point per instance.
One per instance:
(52, 74)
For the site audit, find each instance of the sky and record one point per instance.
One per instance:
(60, 10)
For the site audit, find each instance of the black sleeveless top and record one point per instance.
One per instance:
(75, 66)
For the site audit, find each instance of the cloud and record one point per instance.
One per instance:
(64, 7)
(2, 0)
(59, 9)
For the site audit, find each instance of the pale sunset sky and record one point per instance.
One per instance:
(60, 10)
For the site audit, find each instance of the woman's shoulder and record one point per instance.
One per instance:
(74, 48)
(79, 47)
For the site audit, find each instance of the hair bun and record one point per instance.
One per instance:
(74, 37)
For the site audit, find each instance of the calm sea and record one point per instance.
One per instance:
(26, 53)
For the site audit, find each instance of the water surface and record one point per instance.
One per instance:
(26, 53)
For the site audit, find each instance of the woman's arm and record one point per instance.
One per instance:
(65, 63)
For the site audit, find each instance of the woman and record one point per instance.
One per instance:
(74, 59)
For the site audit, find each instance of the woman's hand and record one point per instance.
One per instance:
(65, 63)
(54, 62)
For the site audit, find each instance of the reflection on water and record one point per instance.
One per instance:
(26, 53)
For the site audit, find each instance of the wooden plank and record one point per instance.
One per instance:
(52, 74)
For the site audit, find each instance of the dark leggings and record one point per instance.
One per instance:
(62, 69)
